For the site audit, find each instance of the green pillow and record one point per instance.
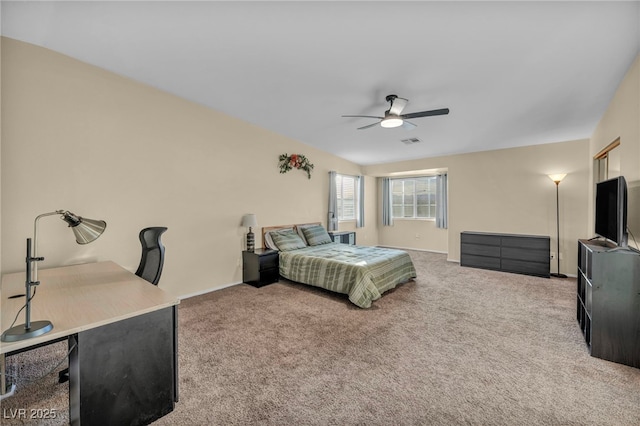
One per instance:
(287, 239)
(316, 235)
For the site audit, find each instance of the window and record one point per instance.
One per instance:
(346, 192)
(607, 162)
(414, 198)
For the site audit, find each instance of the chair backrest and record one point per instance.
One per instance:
(152, 258)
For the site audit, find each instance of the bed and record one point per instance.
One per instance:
(363, 273)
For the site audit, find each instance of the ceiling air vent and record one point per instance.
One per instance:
(410, 141)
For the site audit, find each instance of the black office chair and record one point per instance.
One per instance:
(152, 259)
(150, 267)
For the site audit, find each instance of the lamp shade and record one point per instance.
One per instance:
(249, 220)
(85, 230)
(557, 178)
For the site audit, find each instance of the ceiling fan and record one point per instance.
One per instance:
(394, 118)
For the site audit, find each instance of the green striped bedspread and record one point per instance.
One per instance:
(364, 273)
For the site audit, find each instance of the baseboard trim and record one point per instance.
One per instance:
(414, 249)
(424, 250)
(209, 290)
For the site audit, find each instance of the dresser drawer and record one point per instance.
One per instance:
(525, 267)
(529, 243)
(516, 253)
(481, 250)
(268, 276)
(269, 261)
(473, 238)
(480, 261)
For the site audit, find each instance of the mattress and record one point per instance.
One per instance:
(364, 273)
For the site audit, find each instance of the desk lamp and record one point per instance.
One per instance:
(86, 231)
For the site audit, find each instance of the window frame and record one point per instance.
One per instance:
(431, 194)
(340, 197)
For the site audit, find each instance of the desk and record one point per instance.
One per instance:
(124, 367)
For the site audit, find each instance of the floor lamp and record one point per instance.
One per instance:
(86, 231)
(557, 179)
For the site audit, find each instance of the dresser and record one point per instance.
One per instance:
(522, 254)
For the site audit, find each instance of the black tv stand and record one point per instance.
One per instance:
(608, 300)
(608, 245)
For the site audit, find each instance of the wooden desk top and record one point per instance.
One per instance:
(77, 298)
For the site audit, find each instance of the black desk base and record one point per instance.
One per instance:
(125, 373)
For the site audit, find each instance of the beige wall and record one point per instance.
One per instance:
(79, 138)
(622, 120)
(506, 191)
(1, 270)
(415, 234)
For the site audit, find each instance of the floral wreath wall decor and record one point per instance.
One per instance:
(297, 161)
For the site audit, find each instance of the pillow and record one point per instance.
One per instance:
(287, 239)
(299, 229)
(316, 235)
(268, 241)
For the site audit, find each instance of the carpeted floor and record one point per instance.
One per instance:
(455, 346)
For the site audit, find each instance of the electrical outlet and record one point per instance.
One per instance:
(417, 236)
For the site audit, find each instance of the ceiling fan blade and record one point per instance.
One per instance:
(443, 111)
(367, 126)
(407, 125)
(363, 116)
(397, 105)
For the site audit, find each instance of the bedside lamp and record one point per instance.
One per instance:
(557, 178)
(249, 221)
(86, 231)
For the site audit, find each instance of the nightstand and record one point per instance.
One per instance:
(260, 267)
(344, 237)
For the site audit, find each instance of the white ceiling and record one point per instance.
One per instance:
(512, 73)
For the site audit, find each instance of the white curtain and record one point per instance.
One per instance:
(442, 208)
(387, 208)
(360, 201)
(332, 215)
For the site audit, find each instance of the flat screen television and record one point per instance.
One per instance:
(611, 210)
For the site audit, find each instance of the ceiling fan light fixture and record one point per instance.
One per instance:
(393, 117)
(391, 122)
